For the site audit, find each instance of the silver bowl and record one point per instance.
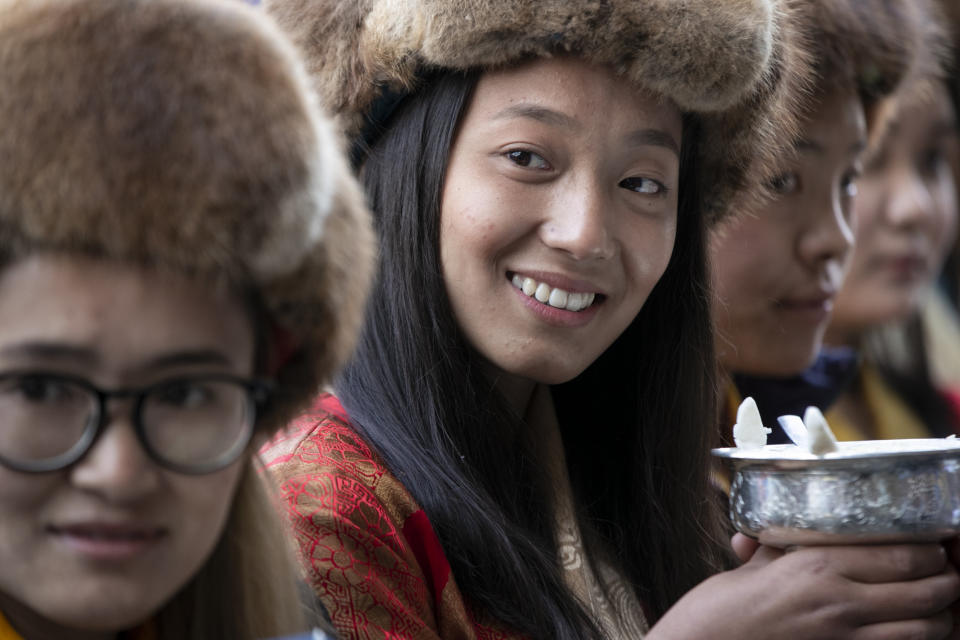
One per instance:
(872, 491)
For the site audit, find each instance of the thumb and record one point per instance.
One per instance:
(743, 547)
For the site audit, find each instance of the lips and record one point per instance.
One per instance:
(907, 266)
(810, 309)
(807, 303)
(107, 540)
(553, 296)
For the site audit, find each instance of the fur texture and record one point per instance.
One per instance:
(934, 62)
(873, 45)
(182, 134)
(737, 63)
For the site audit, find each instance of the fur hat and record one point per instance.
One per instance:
(937, 62)
(738, 64)
(873, 46)
(182, 135)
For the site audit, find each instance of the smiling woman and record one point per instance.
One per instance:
(178, 274)
(590, 223)
(519, 446)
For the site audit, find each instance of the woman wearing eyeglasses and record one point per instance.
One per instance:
(176, 228)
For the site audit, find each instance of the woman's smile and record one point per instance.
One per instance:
(554, 295)
(560, 307)
(564, 202)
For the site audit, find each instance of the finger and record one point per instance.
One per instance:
(873, 564)
(916, 599)
(763, 556)
(744, 547)
(952, 548)
(935, 627)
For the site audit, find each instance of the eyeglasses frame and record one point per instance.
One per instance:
(258, 394)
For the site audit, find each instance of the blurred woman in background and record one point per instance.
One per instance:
(776, 273)
(906, 217)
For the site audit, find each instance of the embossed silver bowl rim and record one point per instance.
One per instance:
(790, 456)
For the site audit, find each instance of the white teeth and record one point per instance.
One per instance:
(558, 298)
(542, 293)
(555, 297)
(529, 286)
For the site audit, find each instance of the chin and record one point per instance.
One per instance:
(551, 373)
(775, 365)
(102, 612)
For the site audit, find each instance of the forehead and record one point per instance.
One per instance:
(928, 114)
(836, 123)
(121, 313)
(591, 94)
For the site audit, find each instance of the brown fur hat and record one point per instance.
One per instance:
(871, 45)
(736, 63)
(182, 135)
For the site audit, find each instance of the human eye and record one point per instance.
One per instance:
(647, 186)
(785, 183)
(848, 183)
(527, 159)
(931, 161)
(39, 389)
(185, 394)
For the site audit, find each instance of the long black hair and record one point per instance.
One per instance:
(637, 424)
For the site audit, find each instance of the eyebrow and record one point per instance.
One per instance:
(654, 137)
(944, 128)
(811, 146)
(638, 138)
(89, 357)
(188, 358)
(51, 351)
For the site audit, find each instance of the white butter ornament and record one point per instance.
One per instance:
(820, 438)
(749, 432)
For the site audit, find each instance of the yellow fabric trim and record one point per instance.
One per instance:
(890, 416)
(146, 632)
(6, 631)
(942, 331)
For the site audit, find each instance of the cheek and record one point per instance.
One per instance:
(945, 228)
(734, 271)
(655, 257)
(477, 226)
(202, 512)
(24, 499)
(867, 206)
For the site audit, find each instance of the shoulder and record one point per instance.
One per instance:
(322, 436)
(328, 474)
(368, 549)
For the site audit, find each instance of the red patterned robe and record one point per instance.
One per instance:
(367, 547)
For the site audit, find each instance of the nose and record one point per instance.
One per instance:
(908, 202)
(116, 467)
(827, 240)
(577, 223)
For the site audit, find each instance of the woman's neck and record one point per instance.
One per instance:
(839, 336)
(32, 626)
(518, 391)
(533, 402)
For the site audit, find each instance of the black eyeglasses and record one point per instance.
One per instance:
(193, 425)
